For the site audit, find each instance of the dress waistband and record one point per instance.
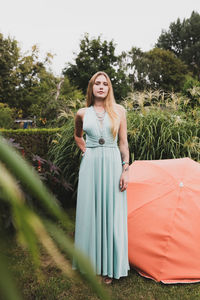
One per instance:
(94, 142)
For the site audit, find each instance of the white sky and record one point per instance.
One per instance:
(58, 26)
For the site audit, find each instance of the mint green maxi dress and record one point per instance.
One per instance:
(101, 211)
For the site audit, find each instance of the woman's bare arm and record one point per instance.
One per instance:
(123, 142)
(78, 131)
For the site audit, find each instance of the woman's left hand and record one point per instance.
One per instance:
(123, 181)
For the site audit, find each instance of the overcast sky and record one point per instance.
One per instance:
(57, 26)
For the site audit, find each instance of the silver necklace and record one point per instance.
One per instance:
(100, 118)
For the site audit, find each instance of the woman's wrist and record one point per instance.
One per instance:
(125, 166)
(125, 163)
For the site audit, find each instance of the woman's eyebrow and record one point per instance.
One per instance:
(100, 81)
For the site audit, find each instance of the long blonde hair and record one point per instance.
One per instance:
(109, 101)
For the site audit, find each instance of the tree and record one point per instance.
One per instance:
(28, 85)
(36, 84)
(97, 55)
(165, 70)
(183, 39)
(157, 68)
(137, 68)
(24, 79)
(9, 57)
(63, 97)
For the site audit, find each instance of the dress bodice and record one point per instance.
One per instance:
(94, 131)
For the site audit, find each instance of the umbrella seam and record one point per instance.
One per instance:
(171, 228)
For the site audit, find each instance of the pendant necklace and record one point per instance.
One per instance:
(100, 118)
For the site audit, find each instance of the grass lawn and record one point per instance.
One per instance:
(53, 285)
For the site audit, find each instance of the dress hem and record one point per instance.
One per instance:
(110, 276)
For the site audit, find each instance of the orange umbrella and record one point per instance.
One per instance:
(164, 219)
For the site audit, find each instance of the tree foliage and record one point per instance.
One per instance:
(6, 116)
(28, 84)
(64, 95)
(97, 55)
(183, 38)
(156, 69)
(9, 57)
(24, 79)
(165, 71)
(37, 86)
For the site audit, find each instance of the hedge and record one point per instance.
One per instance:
(33, 141)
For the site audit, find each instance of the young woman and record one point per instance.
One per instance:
(101, 213)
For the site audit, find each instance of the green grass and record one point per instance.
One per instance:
(51, 284)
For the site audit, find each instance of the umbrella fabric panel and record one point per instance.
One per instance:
(182, 259)
(148, 230)
(147, 182)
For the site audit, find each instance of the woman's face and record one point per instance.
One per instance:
(100, 87)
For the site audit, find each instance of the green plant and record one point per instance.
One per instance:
(34, 140)
(157, 129)
(157, 134)
(65, 154)
(31, 228)
(6, 116)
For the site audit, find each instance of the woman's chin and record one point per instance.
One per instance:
(100, 98)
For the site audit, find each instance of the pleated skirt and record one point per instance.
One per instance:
(101, 212)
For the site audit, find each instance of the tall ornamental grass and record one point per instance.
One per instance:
(157, 134)
(163, 125)
(157, 128)
(66, 155)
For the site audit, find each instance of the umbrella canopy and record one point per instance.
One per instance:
(164, 219)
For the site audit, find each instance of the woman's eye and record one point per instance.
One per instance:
(98, 83)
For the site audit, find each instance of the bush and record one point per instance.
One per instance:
(50, 174)
(6, 116)
(35, 141)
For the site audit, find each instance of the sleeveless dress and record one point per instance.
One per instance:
(101, 211)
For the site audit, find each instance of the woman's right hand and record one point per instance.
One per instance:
(83, 151)
(78, 133)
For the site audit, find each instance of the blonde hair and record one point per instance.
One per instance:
(109, 101)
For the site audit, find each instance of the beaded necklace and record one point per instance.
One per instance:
(100, 118)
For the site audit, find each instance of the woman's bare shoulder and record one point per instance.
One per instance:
(81, 112)
(120, 108)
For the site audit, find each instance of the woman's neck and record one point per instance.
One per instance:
(99, 103)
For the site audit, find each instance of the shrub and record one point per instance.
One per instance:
(32, 140)
(6, 116)
(50, 174)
